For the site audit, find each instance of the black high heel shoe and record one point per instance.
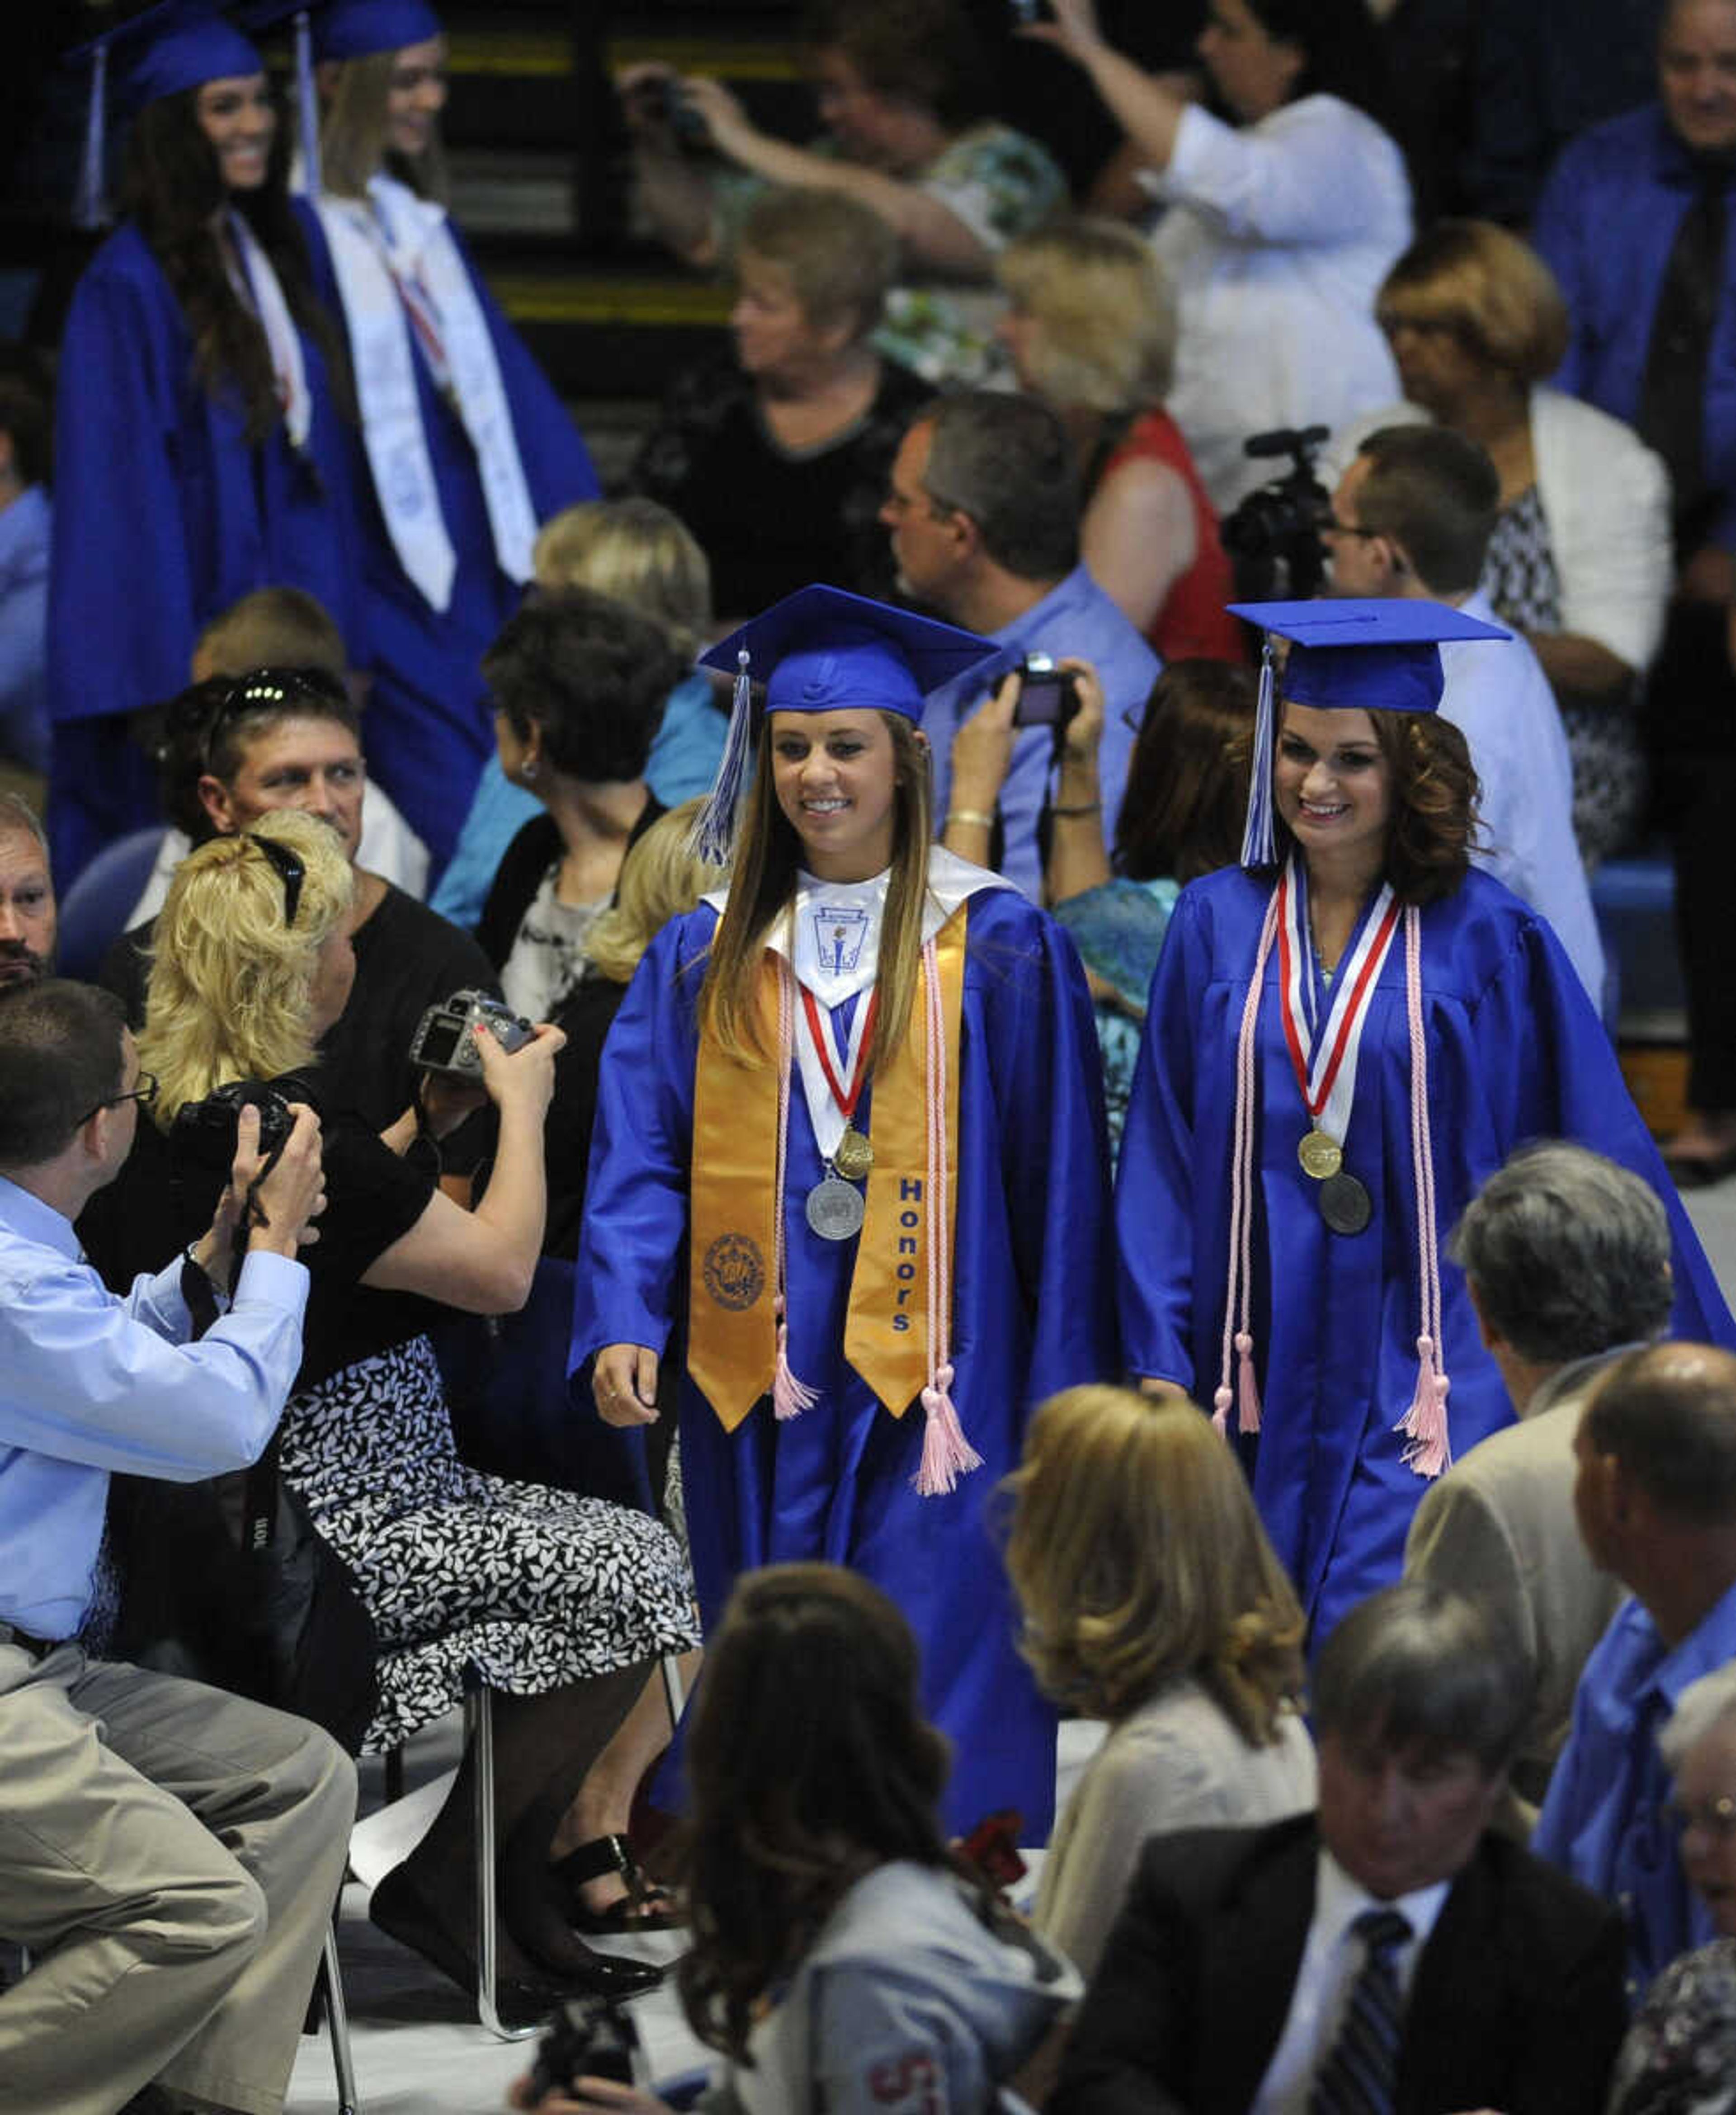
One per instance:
(400, 1909)
(640, 1910)
(536, 1907)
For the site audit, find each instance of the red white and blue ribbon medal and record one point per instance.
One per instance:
(1324, 1051)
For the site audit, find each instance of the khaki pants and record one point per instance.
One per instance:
(170, 1855)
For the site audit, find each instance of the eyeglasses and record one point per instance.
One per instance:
(1717, 1817)
(144, 1092)
(289, 865)
(1332, 526)
(901, 503)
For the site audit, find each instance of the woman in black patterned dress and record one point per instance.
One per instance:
(564, 1603)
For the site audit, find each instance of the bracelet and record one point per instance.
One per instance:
(1085, 808)
(974, 816)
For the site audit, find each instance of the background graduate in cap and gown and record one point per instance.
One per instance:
(199, 451)
(849, 1137)
(1347, 1033)
(463, 449)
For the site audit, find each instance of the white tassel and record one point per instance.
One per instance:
(713, 838)
(1258, 846)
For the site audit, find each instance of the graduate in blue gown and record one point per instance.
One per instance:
(919, 1036)
(464, 447)
(199, 452)
(1295, 1284)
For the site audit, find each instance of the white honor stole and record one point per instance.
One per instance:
(398, 268)
(263, 294)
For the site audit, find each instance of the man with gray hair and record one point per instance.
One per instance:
(1655, 1499)
(1567, 1257)
(983, 508)
(27, 908)
(1388, 1953)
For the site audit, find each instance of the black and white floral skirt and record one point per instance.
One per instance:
(538, 1587)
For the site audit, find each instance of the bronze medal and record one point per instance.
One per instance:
(1321, 1157)
(854, 1156)
(1344, 1204)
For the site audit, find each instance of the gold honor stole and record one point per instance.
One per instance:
(732, 1299)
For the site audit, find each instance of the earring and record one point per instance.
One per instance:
(529, 768)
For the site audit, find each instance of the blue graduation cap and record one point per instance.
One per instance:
(359, 28)
(177, 45)
(1379, 655)
(824, 650)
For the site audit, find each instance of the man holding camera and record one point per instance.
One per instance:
(983, 510)
(168, 1854)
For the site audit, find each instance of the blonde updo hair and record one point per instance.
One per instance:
(1137, 1558)
(230, 985)
(659, 877)
(1104, 310)
(636, 552)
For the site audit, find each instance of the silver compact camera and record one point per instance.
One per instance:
(443, 1043)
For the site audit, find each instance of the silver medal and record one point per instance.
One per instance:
(836, 1209)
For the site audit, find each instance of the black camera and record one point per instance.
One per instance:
(1048, 696)
(1274, 536)
(586, 2038)
(443, 1043)
(203, 1135)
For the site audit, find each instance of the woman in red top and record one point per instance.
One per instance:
(1092, 328)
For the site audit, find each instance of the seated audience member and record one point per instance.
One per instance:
(237, 748)
(1092, 331)
(1182, 816)
(169, 1855)
(899, 87)
(660, 878)
(776, 456)
(1566, 1257)
(636, 552)
(1277, 224)
(1389, 1951)
(27, 908)
(283, 628)
(1635, 224)
(1151, 1599)
(1655, 1499)
(562, 1601)
(1579, 560)
(26, 519)
(984, 510)
(578, 683)
(1412, 517)
(1679, 2057)
(842, 1960)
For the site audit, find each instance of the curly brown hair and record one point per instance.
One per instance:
(1435, 795)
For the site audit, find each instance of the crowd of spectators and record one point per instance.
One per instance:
(295, 523)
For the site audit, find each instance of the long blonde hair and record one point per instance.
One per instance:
(660, 878)
(353, 136)
(1137, 1557)
(230, 986)
(763, 886)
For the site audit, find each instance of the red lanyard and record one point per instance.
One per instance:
(846, 1102)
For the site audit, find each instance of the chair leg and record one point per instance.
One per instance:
(394, 1761)
(331, 1989)
(479, 1717)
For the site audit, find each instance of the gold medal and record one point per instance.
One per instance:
(1321, 1157)
(854, 1156)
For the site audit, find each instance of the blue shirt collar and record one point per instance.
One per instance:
(24, 526)
(27, 1216)
(1706, 1648)
(1066, 594)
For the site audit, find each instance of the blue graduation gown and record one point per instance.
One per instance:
(1515, 1053)
(429, 728)
(1031, 1314)
(163, 516)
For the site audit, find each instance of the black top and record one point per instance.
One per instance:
(373, 1197)
(771, 520)
(407, 957)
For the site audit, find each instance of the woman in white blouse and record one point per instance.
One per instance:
(1151, 1597)
(1278, 227)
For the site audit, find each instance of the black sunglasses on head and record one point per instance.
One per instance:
(266, 691)
(289, 865)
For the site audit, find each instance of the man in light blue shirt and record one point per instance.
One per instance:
(1656, 1499)
(169, 1854)
(983, 510)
